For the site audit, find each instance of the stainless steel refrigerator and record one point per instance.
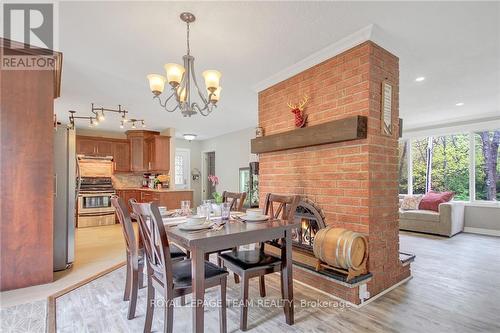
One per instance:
(64, 197)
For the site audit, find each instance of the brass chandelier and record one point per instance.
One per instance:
(180, 79)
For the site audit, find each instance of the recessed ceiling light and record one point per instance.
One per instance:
(460, 104)
(420, 79)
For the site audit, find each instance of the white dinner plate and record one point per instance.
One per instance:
(191, 227)
(255, 218)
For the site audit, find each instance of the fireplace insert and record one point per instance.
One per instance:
(311, 220)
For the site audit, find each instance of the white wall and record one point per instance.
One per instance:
(195, 162)
(232, 151)
(482, 218)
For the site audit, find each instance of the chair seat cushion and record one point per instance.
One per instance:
(181, 272)
(176, 252)
(249, 259)
(420, 215)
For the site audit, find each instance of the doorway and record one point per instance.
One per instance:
(208, 169)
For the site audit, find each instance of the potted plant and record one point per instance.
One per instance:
(216, 195)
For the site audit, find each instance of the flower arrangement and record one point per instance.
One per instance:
(216, 195)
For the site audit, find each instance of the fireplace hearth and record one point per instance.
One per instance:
(312, 220)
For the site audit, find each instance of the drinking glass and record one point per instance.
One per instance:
(186, 207)
(206, 210)
(225, 209)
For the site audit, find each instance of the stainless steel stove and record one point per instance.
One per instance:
(94, 202)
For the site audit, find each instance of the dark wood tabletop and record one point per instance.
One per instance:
(233, 234)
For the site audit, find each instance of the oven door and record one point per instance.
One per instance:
(96, 219)
(95, 203)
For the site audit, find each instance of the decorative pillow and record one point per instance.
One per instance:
(411, 202)
(432, 199)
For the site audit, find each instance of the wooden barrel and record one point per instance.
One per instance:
(340, 247)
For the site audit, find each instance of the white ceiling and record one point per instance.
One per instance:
(110, 47)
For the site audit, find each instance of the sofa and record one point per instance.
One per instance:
(448, 221)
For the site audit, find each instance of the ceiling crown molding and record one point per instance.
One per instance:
(326, 53)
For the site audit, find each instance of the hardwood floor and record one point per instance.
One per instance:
(455, 289)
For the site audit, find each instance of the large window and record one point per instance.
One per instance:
(444, 163)
(487, 171)
(419, 165)
(403, 167)
(450, 165)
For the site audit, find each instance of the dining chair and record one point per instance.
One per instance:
(252, 263)
(236, 199)
(171, 278)
(135, 255)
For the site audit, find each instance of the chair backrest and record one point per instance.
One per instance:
(155, 241)
(281, 206)
(237, 199)
(126, 223)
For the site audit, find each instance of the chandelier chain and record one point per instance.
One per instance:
(187, 39)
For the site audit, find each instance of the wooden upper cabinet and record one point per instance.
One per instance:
(121, 156)
(119, 149)
(149, 151)
(105, 148)
(137, 153)
(86, 146)
(95, 146)
(159, 153)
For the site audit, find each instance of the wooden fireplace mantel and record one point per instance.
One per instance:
(345, 129)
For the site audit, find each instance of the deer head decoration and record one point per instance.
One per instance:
(298, 111)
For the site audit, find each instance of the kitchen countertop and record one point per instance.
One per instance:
(151, 190)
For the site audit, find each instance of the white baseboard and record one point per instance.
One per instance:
(482, 231)
(357, 306)
(371, 299)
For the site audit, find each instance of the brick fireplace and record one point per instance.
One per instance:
(352, 184)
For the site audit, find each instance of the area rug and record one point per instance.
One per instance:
(24, 318)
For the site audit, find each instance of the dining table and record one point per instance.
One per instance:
(235, 232)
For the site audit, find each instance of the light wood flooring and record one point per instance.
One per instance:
(96, 249)
(455, 289)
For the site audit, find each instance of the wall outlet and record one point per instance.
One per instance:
(364, 294)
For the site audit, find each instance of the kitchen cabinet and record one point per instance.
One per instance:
(94, 146)
(104, 148)
(119, 149)
(137, 153)
(147, 196)
(170, 199)
(158, 153)
(126, 195)
(121, 156)
(149, 151)
(85, 146)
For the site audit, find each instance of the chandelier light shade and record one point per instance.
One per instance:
(156, 83)
(174, 73)
(212, 78)
(184, 86)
